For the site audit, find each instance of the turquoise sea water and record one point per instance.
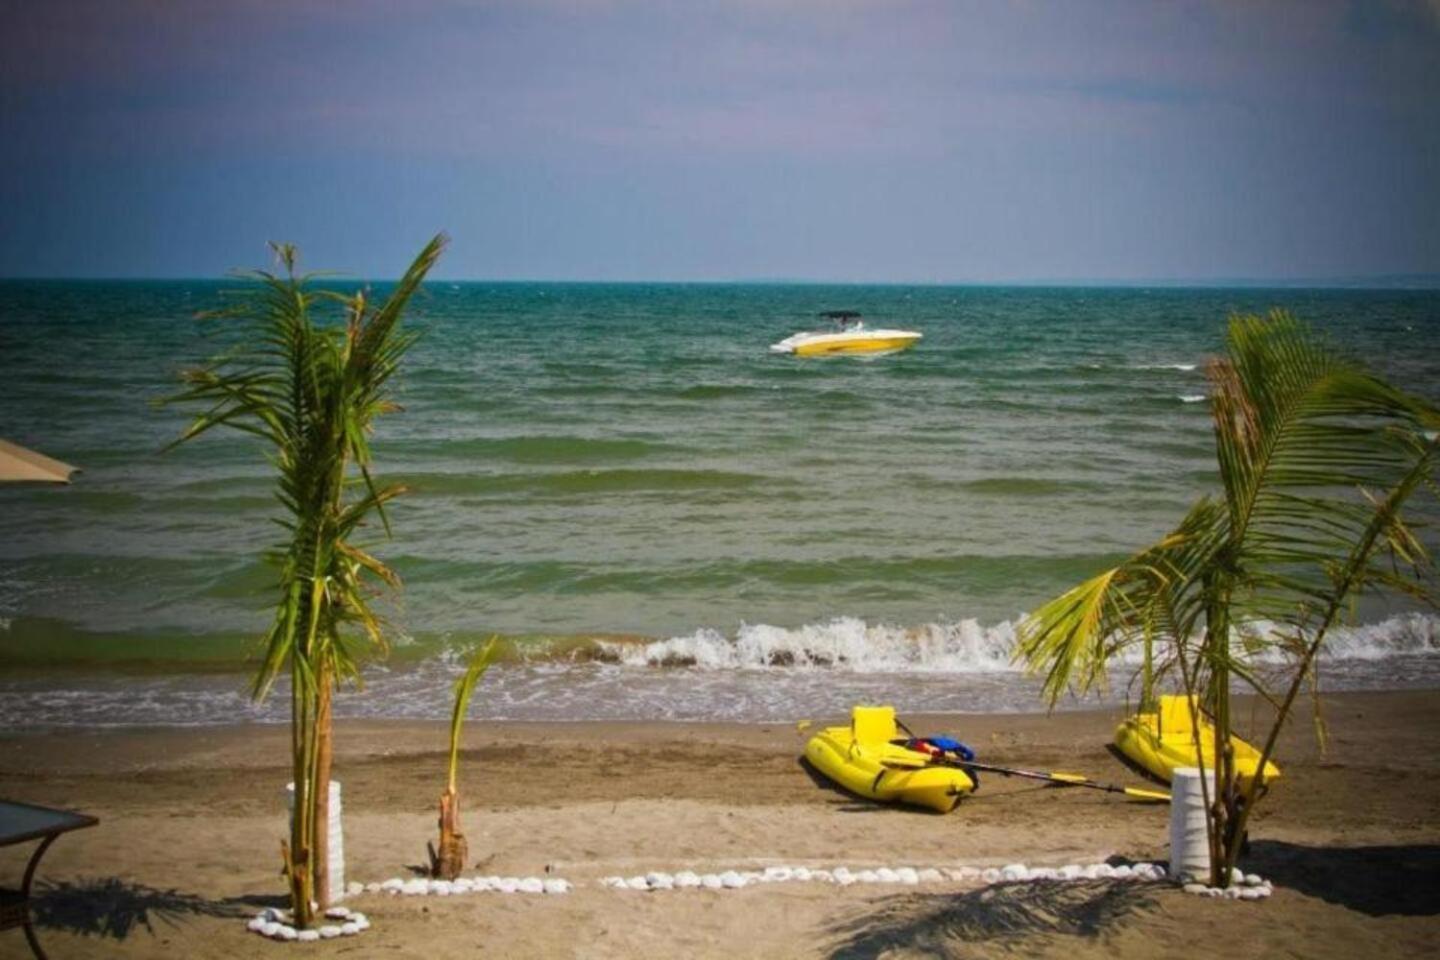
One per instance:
(667, 519)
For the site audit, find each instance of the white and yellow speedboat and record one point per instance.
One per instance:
(850, 336)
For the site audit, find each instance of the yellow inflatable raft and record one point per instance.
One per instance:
(860, 757)
(1161, 741)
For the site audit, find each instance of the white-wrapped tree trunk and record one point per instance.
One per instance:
(336, 893)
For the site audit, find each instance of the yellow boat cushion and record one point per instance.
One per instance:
(873, 725)
(1175, 715)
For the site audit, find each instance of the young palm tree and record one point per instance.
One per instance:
(449, 858)
(1318, 460)
(312, 391)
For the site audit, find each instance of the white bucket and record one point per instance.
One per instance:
(337, 842)
(1189, 843)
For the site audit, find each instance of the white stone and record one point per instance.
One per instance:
(867, 876)
(803, 874)
(255, 924)
(338, 913)
(687, 878)
(307, 936)
(329, 932)
(1123, 872)
(362, 920)
(843, 875)
(461, 885)
(1253, 880)
(510, 884)
(1044, 873)
(659, 881)
(269, 928)
(886, 875)
(354, 889)
(1012, 872)
(415, 888)
(1251, 893)
(752, 876)
(1265, 890)
(393, 884)
(990, 875)
(822, 875)
(531, 885)
(637, 883)
(1237, 875)
(271, 914)
(732, 880)
(483, 884)
(556, 885)
(372, 888)
(930, 875)
(1196, 888)
(286, 933)
(777, 874)
(1231, 893)
(1071, 871)
(964, 873)
(711, 881)
(441, 888)
(908, 875)
(1213, 892)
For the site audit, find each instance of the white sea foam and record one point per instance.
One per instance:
(1192, 398)
(844, 643)
(852, 645)
(948, 667)
(1183, 367)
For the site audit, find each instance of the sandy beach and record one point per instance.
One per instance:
(191, 821)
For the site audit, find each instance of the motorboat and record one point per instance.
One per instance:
(847, 335)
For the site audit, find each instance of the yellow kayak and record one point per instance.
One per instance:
(1162, 741)
(860, 758)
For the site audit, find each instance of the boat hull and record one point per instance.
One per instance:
(861, 769)
(1160, 754)
(848, 342)
(865, 345)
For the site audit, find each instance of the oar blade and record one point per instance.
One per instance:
(1154, 796)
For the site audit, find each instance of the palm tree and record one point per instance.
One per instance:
(449, 858)
(312, 391)
(1318, 461)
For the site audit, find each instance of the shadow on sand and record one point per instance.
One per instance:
(112, 909)
(943, 925)
(1379, 881)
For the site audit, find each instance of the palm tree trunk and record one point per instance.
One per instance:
(324, 696)
(298, 857)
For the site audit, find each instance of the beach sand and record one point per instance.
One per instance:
(191, 821)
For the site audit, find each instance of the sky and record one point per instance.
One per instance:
(887, 141)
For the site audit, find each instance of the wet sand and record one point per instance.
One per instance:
(191, 821)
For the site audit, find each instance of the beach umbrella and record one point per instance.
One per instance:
(17, 463)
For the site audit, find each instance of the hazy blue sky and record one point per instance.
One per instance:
(891, 141)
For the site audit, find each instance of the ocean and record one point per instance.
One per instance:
(661, 518)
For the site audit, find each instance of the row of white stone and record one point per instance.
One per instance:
(844, 876)
(422, 887)
(275, 924)
(1244, 887)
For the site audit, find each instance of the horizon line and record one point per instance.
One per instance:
(1398, 281)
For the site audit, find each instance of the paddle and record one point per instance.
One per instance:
(1061, 779)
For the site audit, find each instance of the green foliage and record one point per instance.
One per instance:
(480, 661)
(312, 390)
(1318, 460)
